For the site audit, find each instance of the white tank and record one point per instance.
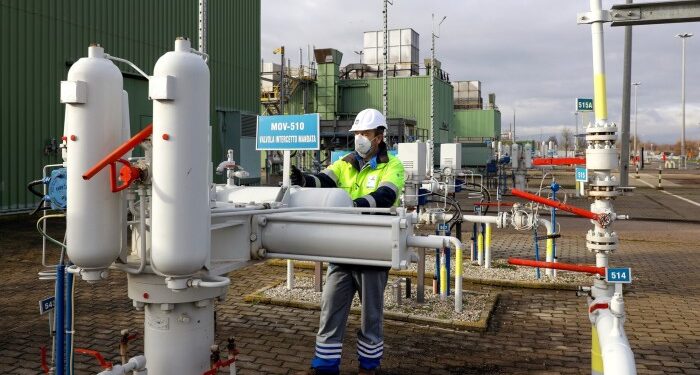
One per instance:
(514, 155)
(527, 156)
(180, 92)
(93, 127)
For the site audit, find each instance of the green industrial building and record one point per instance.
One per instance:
(339, 93)
(44, 38)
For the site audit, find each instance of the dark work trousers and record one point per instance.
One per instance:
(342, 281)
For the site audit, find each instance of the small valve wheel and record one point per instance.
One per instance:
(128, 174)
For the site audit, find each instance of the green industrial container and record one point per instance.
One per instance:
(43, 39)
(476, 123)
(409, 97)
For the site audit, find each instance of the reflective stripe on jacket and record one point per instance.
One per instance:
(382, 171)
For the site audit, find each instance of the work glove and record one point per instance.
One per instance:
(296, 177)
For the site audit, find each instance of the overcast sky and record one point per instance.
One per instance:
(531, 53)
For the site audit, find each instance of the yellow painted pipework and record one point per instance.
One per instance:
(550, 247)
(480, 245)
(596, 354)
(443, 274)
(600, 105)
(458, 262)
(488, 236)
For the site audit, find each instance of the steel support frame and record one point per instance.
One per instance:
(658, 12)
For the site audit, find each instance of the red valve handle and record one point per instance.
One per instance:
(113, 176)
(603, 219)
(557, 266)
(120, 151)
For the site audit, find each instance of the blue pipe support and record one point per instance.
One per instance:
(555, 187)
(69, 324)
(437, 264)
(59, 317)
(447, 263)
(537, 255)
(474, 242)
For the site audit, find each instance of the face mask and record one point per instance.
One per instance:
(363, 145)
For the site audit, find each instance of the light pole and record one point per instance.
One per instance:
(385, 61)
(636, 86)
(431, 141)
(683, 37)
(360, 52)
(575, 132)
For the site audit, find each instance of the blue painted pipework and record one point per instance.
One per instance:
(555, 187)
(59, 324)
(69, 324)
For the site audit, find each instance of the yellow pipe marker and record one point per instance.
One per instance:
(600, 97)
(480, 245)
(488, 236)
(458, 262)
(443, 274)
(596, 355)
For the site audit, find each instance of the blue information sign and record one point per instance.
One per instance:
(47, 304)
(584, 105)
(620, 275)
(288, 132)
(443, 227)
(581, 174)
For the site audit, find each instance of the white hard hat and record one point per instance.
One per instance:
(368, 119)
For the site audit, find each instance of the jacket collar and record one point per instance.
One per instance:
(382, 156)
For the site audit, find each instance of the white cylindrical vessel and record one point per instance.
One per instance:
(527, 156)
(514, 155)
(93, 127)
(180, 92)
(177, 340)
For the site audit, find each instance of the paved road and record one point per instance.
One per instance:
(532, 331)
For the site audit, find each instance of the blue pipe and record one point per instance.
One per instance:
(69, 324)
(59, 323)
(537, 255)
(555, 187)
(474, 242)
(447, 264)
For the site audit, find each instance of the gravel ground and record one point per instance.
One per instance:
(501, 270)
(473, 303)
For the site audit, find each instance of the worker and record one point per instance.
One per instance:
(373, 178)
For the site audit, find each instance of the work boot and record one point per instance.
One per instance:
(364, 371)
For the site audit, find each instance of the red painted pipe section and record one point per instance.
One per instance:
(220, 364)
(557, 266)
(44, 363)
(556, 204)
(104, 364)
(598, 306)
(120, 151)
(558, 161)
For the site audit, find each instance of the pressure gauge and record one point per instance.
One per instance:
(447, 171)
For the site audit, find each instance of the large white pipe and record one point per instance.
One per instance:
(320, 258)
(224, 212)
(180, 215)
(93, 127)
(614, 346)
(355, 236)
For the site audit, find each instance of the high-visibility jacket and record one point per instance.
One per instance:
(376, 183)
